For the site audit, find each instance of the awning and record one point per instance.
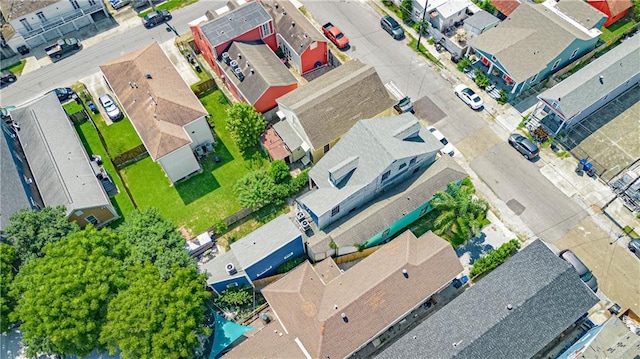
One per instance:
(225, 332)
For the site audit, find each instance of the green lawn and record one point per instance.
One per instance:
(120, 136)
(617, 29)
(199, 202)
(91, 141)
(169, 5)
(16, 68)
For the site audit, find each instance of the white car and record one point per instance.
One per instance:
(448, 148)
(468, 96)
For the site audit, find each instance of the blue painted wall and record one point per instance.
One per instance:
(219, 287)
(268, 265)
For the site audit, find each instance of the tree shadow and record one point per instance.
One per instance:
(254, 158)
(476, 247)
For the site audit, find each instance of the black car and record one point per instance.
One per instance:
(155, 18)
(391, 26)
(527, 148)
(7, 77)
(634, 246)
(64, 93)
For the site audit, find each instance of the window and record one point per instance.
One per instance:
(26, 25)
(326, 148)
(555, 64)
(266, 30)
(386, 232)
(424, 210)
(416, 170)
(232, 285)
(533, 79)
(41, 16)
(75, 4)
(386, 175)
(413, 160)
(92, 2)
(313, 45)
(574, 53)
(91, 219)
(335, 211)
(78, 213)
(402, 165)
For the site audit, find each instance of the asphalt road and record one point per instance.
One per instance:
(516, 181)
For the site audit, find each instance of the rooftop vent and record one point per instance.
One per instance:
(239, 74)
(344, 317)
(226, 58)
(276, 5)
(509, 306)
(293, 24)
(405, 273)
(284, 13)
(601, 79)
(247, 64)
(239, 56)
(231, 269)
(253, 71)
(148, 76)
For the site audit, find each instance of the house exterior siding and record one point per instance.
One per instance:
(199, 132)
(604, 8)
(60, 19)
(179, 164)
(268, 100)
(103, 214)
(239, 281)
(269, 264)
(311, 57)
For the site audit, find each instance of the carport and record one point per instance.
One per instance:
(609, 136)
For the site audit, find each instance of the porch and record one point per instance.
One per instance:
(544, 116)
(497, 79)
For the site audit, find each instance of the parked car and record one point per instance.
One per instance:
(110, 107)
(64, 93)
(448, 148)
(4, 113)
(391, 26)
(119, 4)
(634, 246)
(156, 18)
(335, 35)
(468, 96)
(585, 274)
(523, 145)
(7, 77)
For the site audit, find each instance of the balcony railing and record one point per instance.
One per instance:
(62, 19)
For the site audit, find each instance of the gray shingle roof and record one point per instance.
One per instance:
(481, 19)
(60, 166)
(546, 296)
(389, 207)
(288, 134)
(583, 88)
(268, 70)
(330, 105)
(528, 40)
(300, 35)
(229, 25)
(580, 11)
(13, 196)
(381, 150)
(264, 240)
(14, 9)
(216, 271)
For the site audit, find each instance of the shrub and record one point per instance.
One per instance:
(464, 63)
(541, 134)
(279, 171)
(493, 259)
(291, 263)
(220, 226)
(481, 79)
(431, 41)
(503, 97)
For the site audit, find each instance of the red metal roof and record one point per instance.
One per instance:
(505, 6)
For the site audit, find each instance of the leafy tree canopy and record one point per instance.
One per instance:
(64, 294)
(255, 190)
(245, 125)
(279, 171)
(29, 231)
(7, 302)
(234, 297)
(154, 239)
(154, 317)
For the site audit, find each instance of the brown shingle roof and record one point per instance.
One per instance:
(292, 25)
(158, 107)
(330, 105)
(13, 9)
(373, 294)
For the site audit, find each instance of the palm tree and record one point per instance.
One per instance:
(460, 216)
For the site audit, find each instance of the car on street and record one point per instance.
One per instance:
(448, 148)
(468, 96)
(585, 274)
(4, 113)
(110, 107)
(523, 145)
(64, 93)
(391, 26)
(7, 77)
(119, 4)
(634, 247)
(156, 18)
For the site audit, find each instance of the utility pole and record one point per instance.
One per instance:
(424, 14)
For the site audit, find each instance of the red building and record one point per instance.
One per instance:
(614, 9)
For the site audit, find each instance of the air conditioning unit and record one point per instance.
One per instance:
(233, 64)
(239, 74)
(231, 269)
(226, 58)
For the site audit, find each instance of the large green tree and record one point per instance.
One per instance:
(7, 273)
(255, 190)
(64, 294)
(154, 317)
(29, 231)
(460, 215)
(245, 125)
(154, 239)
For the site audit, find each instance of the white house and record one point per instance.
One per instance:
(36, 22)
(165, 113)
(372, 157)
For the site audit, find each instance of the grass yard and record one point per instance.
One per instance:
(120, 136)
(16, 68)
(199, 202)
(617, 29)
(169, 5)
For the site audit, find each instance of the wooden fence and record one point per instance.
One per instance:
(131, 156)
(356, 255)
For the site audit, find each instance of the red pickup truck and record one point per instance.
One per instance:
(335, 35)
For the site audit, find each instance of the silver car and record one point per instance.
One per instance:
(585, 274)
(110, 107)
